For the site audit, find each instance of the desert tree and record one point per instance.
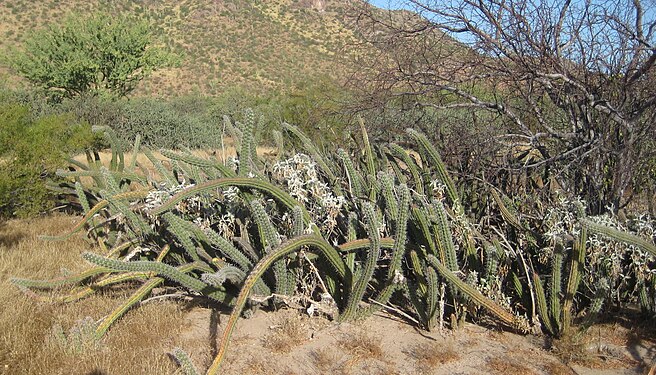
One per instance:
(572, 82)
(101, 54)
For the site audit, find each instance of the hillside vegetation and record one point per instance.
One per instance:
(258, 45)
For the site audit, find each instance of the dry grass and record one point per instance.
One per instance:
(507, 366)
(288, 333)
(430, 355)
(361, 346)
(326, 361)
(27, 344)
(557, 368)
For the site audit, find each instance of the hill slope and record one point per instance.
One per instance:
(258, 45)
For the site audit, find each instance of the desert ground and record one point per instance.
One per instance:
(39, 335)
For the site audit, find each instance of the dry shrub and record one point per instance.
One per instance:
(507, 366)
(327, 361)
(557, 368)
(429, 355)
(361, 346)
(288, 333)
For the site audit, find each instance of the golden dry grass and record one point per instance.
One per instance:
(361, 346)
(507, 366)
(137, 344)
(428, 356)
(287, 334)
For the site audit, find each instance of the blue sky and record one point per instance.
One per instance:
(385, 3)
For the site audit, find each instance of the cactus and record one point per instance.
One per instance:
(181, 231)
(295, 244)
(476, 296)
(130, 195)
(206, 165)
(298, 227)
(164, 270)
(577, 261)
(185, 363)
(228, 249)
(360, 283)
(399, 153)
(61, 281)
(555, 285)
(510, 217)
(444, 238)
(310, 147)
(542, 304)
(355, 179)
(617, 235)
(437, 163)
(400, 232)
(82, 197)
(135, 298)
(241, 182)
(271, 239)
(432, 298)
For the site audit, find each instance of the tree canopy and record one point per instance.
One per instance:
(100, 54)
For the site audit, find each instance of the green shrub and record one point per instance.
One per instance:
(31, 149)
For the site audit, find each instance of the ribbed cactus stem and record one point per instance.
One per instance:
(510, 217)
(400, 231)
(476, 296)
(247, 139)
(177, 228)
(577, 261)
(432, 298)
(298, 227)
(399, 153)
(137, 223)
(206, 165)
(137, 296)
(135, 152)
(387, 189)
(541, 302)
(309, 146)
(185, 362)
(491, 264)
(130, 195)
(271, 239)
(444, 241)
(229, 250)
(82, 197)
(617, 235)
(354, 178)
(162, 269)
(555, 286)
(422, 222)
(437, 163)
(240, 182)
(314, 242)
(360, 284)
(161, 170)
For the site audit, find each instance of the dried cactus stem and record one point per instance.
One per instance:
(295, 244)
(476, 296)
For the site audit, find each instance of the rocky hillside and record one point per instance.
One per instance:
(258, 45)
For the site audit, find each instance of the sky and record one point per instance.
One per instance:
(387, 4)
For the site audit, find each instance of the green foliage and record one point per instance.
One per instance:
(31, 149)
(101, 54)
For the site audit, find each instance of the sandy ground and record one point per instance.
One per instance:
(287, 342)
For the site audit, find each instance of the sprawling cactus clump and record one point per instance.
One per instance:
(379, 225)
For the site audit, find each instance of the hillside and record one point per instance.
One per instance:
(257, 45)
